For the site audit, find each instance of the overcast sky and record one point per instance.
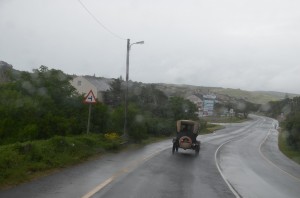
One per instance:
(246, 44)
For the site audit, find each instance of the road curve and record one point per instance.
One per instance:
(254, 166)
(238, 161)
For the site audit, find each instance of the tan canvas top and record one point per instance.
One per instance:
(188, 125)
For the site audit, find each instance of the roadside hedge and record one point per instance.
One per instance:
(23, 161)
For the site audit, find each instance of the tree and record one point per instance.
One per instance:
(245, 107)
(290, 108)
(41, 104)
(100, 118)
(115, 95)
(182, 109)
(153, 100)
(292, 124)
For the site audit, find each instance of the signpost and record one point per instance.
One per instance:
(89, 99)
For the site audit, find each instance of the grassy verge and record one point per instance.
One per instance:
(211, 128)
(150, 140)
(20, 162)
(225, 119)
(286, 150)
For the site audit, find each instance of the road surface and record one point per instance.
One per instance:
(241, 160)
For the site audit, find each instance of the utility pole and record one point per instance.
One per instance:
(126, 91)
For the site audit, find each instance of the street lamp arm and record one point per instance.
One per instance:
(140, 42)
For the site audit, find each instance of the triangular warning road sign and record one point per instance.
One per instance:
(90, 98)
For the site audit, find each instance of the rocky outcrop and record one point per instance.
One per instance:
(5, 70)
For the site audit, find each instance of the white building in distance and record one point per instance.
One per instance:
(84, 84)
(208, 104)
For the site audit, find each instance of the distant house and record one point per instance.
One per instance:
(84, 84)
(197, 101)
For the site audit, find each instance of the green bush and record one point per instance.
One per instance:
(29, 132)
(10, 158)
(203, 125)
(138, 131)
(160, 126)
(21, 161)
(292, 126)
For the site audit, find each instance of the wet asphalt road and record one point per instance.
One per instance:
(255, 167)
(239, 161)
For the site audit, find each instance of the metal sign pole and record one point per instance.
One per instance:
(88, 125)
(89, 99)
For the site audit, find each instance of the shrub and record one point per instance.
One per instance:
(112, 136)
(29, 132)
(160, 126)
(20, 161)
(137, 131)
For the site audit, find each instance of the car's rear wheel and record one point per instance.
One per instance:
(173, 148)
(197, 149)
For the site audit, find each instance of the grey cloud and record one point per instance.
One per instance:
(252, 45)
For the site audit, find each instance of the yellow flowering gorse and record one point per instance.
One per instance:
(112, 136)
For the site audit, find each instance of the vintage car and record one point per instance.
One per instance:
(186, 136)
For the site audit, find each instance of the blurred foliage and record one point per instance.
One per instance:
(292, 126)
(286, 149)
(22, 161)
(114, 97)
(112, 136)
(241, 108)
(287, 111)
(150, 111)
(43, 121)
(43, 104)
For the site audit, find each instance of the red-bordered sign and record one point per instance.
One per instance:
(90, 98)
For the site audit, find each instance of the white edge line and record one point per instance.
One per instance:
(118, 173)
(219, 169)
(99, 187)
(270, 162)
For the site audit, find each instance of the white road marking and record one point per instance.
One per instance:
(236, 194)
(270, 162)
(99, 187)
(221, 173)
(127, 169)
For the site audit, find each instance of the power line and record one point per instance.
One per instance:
(99, 22)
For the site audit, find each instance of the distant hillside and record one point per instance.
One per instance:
(5, 69)
(278, 94)
(6, 72)
(223, 94)
(258, 97)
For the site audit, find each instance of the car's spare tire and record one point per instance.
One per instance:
(185, 142)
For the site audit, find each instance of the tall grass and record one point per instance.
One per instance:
(21, 162)
(286, 149)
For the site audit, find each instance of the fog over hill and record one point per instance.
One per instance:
(258, 97)
(223, 94)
